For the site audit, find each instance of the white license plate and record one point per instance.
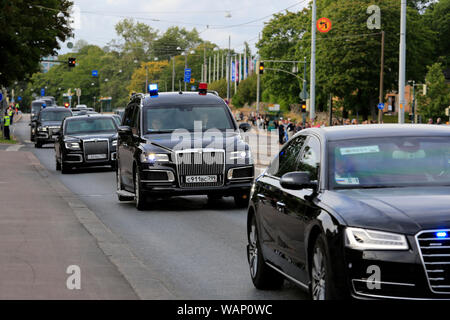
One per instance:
(55, 137)
(201, 179)
(96, 156)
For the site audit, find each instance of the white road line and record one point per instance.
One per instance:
(14, 147)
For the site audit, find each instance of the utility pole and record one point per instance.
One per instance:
(185, 67)
(146, 79)
(218, 67)
(245, 62)
(381, 99)
(205, 78)
(173, 73)
(312, 95)
(228, 68)
(414, 102)
(402, 64)
(209, 70)
(258, 79)
(221, 69)
(235, 75)
(331, 109)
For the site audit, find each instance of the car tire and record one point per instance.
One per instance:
(139, 195)
(58, 165)
(119, 187)
(38, 144)
(241, 200)
(263, 277)
(322, 286)
(64, 167)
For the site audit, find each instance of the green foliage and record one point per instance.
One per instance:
(246, 92)
(437, 16)
(29, 32)
(220, 86)
(433, 104)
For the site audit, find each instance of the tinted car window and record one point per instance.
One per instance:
(287, 159)
(54, 115)
(310, 158)
(169, 118)
(90, 125)
(128, 116)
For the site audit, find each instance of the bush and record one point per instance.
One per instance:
(220, 86)
(246, 92)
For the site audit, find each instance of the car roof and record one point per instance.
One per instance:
(89, 116)
(184, 98)
(335, 133)
(57, 108)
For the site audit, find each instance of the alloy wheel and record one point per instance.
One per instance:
(253, 250)
(318, 275)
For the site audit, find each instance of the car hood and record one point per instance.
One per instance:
(51, 123)
(90, 136)
(229, 141)
(403, 210)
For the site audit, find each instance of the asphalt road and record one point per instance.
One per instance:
(197, 249)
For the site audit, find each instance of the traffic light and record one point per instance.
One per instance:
(261, 67)
(303, 106)
(72, 62)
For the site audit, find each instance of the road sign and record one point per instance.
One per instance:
(1, 97)
(193, 88)
(78, 91)
(42, 92)
(192, 80)
(95, 73)
(187, 75)
(381, 106)
(324, 25)
(19, 98)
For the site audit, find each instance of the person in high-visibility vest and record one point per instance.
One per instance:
(6, 124)
(11, 114)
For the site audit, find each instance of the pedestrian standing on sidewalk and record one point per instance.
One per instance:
(6, 124)
(11, 114)
(281, 131)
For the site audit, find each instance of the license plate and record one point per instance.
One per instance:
(55, 137)
(96, 156)
(201, 179)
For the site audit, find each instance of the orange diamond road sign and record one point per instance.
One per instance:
(192, 80)
(323, 25)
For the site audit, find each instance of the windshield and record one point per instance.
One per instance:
(90, 125)
(389, 162)
(54, 115)
(169, 118)
(36, 107)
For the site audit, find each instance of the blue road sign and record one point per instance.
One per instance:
(193, 88)
(187, 75)
(381, 106)
(1, 97)
(42, 92)
(233, 72)
(19, 98)
(95, 73)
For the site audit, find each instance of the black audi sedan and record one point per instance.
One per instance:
(48, 124)
(180, 144)
(86, 141)
(355, 211)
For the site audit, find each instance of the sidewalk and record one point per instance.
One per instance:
(40, 236)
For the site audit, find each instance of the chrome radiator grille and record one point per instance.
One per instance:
(435, 254)
(96, 147)
(200, 162)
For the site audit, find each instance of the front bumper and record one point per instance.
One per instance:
(45, 137)
(377, 274)
(77, 159)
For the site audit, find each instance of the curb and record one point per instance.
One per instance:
(141, 278)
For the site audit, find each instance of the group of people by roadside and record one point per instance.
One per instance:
(8, 119)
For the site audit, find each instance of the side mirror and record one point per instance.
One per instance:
(124, 130)
(297, 180)
(245, 127)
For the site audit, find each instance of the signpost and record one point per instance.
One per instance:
(324, 25)
(42, 92)
(187, 75)
(95, 73)
(380, 106)
(1, 97)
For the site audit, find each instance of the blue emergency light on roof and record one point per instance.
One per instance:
(153, 90)
(441, 234)
(44, 105)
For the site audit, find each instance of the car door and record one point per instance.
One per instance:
(135, 136)
(298, 210)
(270, 197)
(124, 150)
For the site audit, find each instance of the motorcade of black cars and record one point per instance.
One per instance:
(355, 211)
(86, 141)
(183, 143)
(36, 107)
(48, 124)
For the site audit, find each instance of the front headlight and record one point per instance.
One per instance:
(236, 155)
(363, 239)
(114, 143)
(154, 157)
(42, 129)
(72, 145)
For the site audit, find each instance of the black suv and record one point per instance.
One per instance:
(85, 141)
(182, 143)
(48, 124)
(36, 107)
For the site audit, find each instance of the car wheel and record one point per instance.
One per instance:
(138, 194)
(38, 145)
(263, 276)
(58, 165)
(64, 167)
(241, 200)
(321, 279)
(119, 187)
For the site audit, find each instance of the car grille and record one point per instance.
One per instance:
(96, 147)
(199, 163)
(435, 254)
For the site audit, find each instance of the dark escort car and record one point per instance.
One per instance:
(48, 124)
(182, 143)
(86, 141)
(355, 211)
(36, 107)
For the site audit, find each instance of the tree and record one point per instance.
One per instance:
(151, 70)
(246, 92)
(437, 17)
(220, 86)
(174, 41)
(433, 104)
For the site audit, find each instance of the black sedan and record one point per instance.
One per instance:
(48, 124)
(355, 211)
(85, 141)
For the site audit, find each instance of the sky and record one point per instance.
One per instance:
(95, 19)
